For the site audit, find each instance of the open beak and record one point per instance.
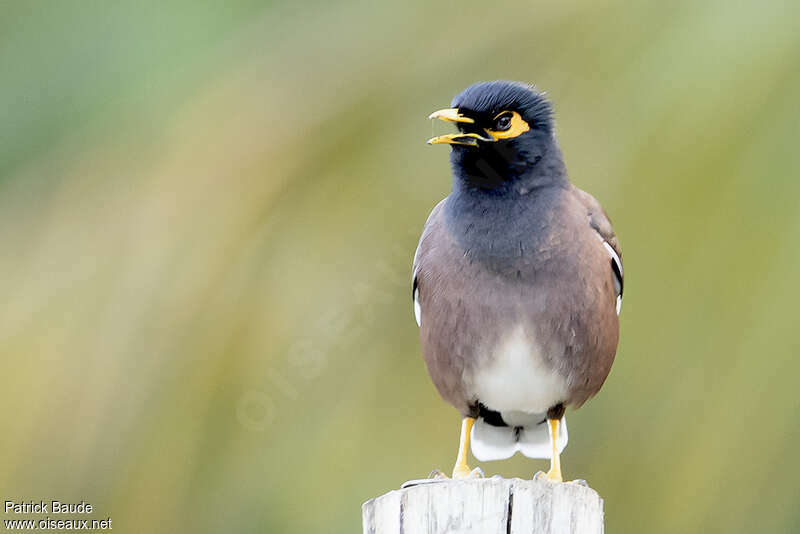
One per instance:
(465, 139)
(450, 115)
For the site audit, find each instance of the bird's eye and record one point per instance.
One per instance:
(502, 123)
(507, 125)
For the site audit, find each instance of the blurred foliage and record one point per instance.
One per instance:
(207, 217)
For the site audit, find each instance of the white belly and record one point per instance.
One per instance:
(517, 378)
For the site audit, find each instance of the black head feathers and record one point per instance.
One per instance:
(514, 145)
(487, 99)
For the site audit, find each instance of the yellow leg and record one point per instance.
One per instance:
(461, 469)
(555, 460)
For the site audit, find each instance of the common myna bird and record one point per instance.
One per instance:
(517, 280)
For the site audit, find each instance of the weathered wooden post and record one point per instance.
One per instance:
(486, 506)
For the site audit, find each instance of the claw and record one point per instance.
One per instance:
(436, 474)
(476, 473)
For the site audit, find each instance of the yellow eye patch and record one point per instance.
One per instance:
(517, 127)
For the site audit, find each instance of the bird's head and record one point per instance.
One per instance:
(505, 129)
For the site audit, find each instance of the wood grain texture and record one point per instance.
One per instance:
(486, 506)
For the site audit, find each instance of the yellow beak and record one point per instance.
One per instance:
(466, 139)
(450, 115)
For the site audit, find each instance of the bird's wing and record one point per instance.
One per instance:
(415, 287)
(601, 224)
(432, 218)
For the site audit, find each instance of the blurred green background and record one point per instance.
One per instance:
(207, 217)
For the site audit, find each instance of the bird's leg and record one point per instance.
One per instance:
(461, 469)
(555, 459)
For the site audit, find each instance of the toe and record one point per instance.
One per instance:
(437, 474)
(461, 471)
(476, 473)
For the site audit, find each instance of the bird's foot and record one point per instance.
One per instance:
(461, 472)
(550, 476)
(437, 474)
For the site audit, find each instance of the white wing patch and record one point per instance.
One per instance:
(618, 263)
(417, 308)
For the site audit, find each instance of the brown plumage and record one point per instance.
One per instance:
(516, 277)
